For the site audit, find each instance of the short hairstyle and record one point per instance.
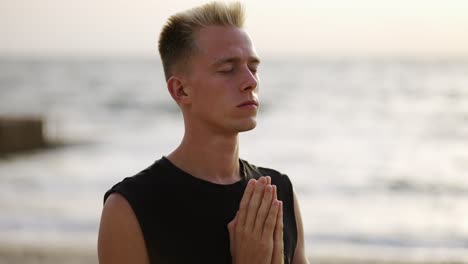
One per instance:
(177, 38)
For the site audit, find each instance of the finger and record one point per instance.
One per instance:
(270, 221)
(268, 178)
(275, 192)
(244, 204)
(254, 204)
(278, 250)
(264, 209)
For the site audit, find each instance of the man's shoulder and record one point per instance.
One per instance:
(143, 176)
(147, 179)
(258, 171)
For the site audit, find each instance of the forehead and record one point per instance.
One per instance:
(216, 42)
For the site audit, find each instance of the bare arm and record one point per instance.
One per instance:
(120, 238)
(299, 254)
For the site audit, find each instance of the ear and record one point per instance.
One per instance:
(178, 91)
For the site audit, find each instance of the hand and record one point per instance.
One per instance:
(254, 235)
(278, 247)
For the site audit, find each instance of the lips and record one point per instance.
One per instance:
(249, 102)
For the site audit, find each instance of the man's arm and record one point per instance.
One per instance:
(120, 238)
(299, 254)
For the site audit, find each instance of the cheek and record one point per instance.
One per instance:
(215, 97)
(206, 99)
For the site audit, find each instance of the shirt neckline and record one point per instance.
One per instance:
(180, 171)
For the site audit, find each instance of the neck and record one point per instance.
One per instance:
(209, 156)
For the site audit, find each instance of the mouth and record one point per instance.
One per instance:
(251, 103)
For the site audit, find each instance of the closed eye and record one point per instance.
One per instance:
(225, 71)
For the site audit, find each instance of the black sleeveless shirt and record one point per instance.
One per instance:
(184, 219)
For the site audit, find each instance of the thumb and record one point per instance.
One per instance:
(231, 228)
(232, 225)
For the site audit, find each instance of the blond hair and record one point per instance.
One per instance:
(177, 38)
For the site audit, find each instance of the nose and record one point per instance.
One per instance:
(249, 81)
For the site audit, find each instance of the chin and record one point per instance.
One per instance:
(247, 126)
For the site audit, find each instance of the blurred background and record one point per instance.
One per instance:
(364, 106)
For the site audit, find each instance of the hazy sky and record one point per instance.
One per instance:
(293, 27)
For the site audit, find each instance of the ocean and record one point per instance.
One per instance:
(377, 149)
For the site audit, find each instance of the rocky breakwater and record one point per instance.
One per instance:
(21, 133)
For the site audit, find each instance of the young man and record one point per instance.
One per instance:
(201, 203)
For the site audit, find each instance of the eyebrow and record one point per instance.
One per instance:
(221, 61)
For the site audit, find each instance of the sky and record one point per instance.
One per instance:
(404, 28)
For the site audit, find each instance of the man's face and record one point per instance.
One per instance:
(223, 81)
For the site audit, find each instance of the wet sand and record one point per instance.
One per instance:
(37, 255)
(63, 255)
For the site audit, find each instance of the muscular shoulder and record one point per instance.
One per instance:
(277, 177)
(137, 187)
(120, 238)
